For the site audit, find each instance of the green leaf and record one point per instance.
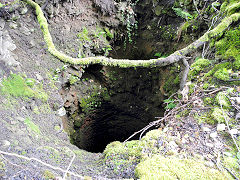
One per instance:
(158, 54)
(1, 5)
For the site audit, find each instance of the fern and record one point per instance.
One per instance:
(183, 14)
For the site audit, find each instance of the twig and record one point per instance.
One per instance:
(43, 163)
(229, 129)
(65, 174)
(185, 74)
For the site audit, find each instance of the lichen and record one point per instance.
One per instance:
(160, 167)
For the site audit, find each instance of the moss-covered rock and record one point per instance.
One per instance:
(17, 86)
(222, 74)
(198, 66)
(160, 167)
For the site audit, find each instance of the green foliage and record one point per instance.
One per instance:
(106, 50)
(83, 36)
(181, 13)
(170, 103)
(108, 33)
(232, 163)
(32, 126)
(15, 85)
(94, 100)
(158, 54)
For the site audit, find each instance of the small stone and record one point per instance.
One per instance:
(39, 77)
(32, 43)
(209, 164)
(165, 129)
(25, 30)
(191, 139)
(61, 112)
(173, 145)
(23, 10)
(2, 23)
(206, 129)
(234, 75)
(221, 127)
(4, 143)
(186, 136)
(227, 154)
(13, 25)
(213, 135)
(184, 141)
(233, 131)
(13, 122)
(209, 145)
(238, 100)
(20, 118)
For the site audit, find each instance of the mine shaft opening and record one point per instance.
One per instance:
(132, 97)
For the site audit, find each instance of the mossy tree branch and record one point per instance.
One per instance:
(125, 63)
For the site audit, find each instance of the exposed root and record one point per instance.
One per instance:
(46, 164)
(125, 63)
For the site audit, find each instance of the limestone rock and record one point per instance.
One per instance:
(61, 112)
(213, 135)
(221, 127)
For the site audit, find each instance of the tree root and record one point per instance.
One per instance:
(125, 63)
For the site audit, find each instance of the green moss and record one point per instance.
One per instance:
(229, 46)
(207, 100)
(218, 115)
(197, 67)
(205, 86)
(15, 85)
(223, 100)
(32, 126)
(216, 68)
(160, 167)
(205, 118)
(232, 164)
(222, 74)
(48, 175)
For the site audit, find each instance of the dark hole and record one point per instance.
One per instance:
(134, 102)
